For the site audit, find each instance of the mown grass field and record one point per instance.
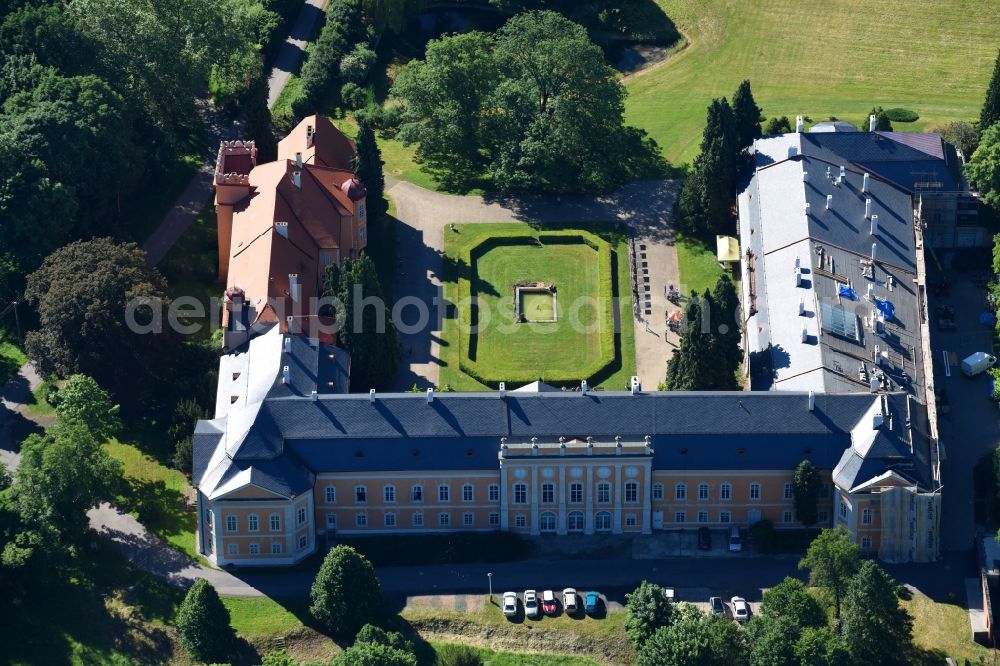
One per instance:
(837, 58)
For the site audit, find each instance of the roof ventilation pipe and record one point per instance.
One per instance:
(286, 376)
(805, 334)
(805, 176)
(868, 209)
(371, 396)
(314, 396)
(808, 207)
(583, 387)
(503, 389)
(635, 385)
(800, 125)
(798, 277)
(281, 228)
(297, 179)
(288, 344)
(874, 224)
(872, 122)
(874, 248)
(829, 202)
(865, 183)
(812, 401)
(802, 307)
(430, 394)
(298, 160)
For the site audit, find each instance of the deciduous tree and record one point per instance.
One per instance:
(983, 170)
(832, 559)
(648, 608)
(203, 624)
(374, 654)
(345, 594)
(875, 627)
(792, 600)
(819, 646)
(81, 399)
(772, 641)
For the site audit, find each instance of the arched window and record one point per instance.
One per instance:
(681, 491)
(657, 491)
(389, 494)
(331, 495)
(547, 522)
(603, 492)
(233, 549)
(360, 494)
(755, 491)
(276, 548)
(602, 521)
(274, 522)
(575, 521)
(494, 492)
(255, 549)
(417, 493)
(725, 491)
(253, 523)
(444, 493)
(703, 491)
(548, 493)
(520, 493)
(232, 523)
(468, 494)
(631, 492)
(389, 519)
(418, 519)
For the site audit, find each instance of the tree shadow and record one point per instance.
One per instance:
(163, 510)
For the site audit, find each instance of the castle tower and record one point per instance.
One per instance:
(232, 184)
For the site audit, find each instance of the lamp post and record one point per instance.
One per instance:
(489, 576)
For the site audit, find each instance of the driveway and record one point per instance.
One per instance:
(294, 48)
(425, 215)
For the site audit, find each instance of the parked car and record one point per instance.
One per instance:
(569, 600)
(735, 540)
(945, 317)
(976, 363)
(704, 539)
(548, 602)
(741, 609)
(716, 606)
(590, 602)
(509, 604)
(531, 603)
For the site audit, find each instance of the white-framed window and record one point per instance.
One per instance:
(253, 523)
(755, 491)
(602, 521)
(331, 521)
(494, 492)
(703, 516)
(786, 516)
(254, 548)
(725, 517)
(631, 520)
(361, 519)
(547, 522)
(866, 543)
(822, 516)
(703, 491)
(725, 491)
(232, 523)
(866, 516)
(331, 495)
(548, 493)
(444, 493)
(300, 515)
(576, 521)
(303, 541)
(657, 491)
(681, 491)
(360, 494)
(444, 519)
(520, 520)
(389, 519)
(520, 493)
(468, 494)
(417, 493)
(680, 516)
(389, 494)
(233, 549)
(494, 519)
(208, 519)
(603, 492)
(843, 509)
(418, 519)
(274, 522)
(576, 493)
(276, 548)
(631, 492)
(468, 519)
(789, 490)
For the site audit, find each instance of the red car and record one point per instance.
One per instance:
(548, 602)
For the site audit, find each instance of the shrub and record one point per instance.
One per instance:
(353, 95)
(203, 624)
(458, 655)
(898, 115)
(356, 65)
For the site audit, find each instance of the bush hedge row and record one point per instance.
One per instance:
(457, 548)
(898, 115)
(342, 31)
(605, 295)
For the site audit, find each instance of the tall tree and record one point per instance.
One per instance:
(806, 486)
(990, 113)
(772, 641)
(792, 600)
(203, 624)
(705, 202)
(82, 400)
(819, 646)
(698, 364)
(367, 331)
(983, 171)
(832, 559)
(726, 332)
(258, 117)
(48, 34)
(647, 609)
(345, 594)
(369, 170)
(747, 116)
(875, 627)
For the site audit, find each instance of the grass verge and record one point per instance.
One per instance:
(699, 270)
(942, 630)
(11, 359)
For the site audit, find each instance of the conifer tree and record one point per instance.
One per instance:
(990, 114)
(258, 117)
(705, 203)
(368, 167)
(747, 116)
(693, 364)
(726, 336)
(203, 624)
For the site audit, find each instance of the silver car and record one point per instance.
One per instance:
(569, 600)
(741, 609)
(531, 604)
(509, 604)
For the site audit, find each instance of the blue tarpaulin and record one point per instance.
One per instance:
(847, 292)
(987, 318)
(887, 309)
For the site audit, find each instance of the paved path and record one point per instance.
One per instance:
(425, 216)
(15, 420)
(293, 48)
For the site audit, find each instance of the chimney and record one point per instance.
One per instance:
(298, 160)
(293, 286)
(800, 125)
(297, 179)
(798, 278)
(314, 396)
(829, 201)
(583, 387)
(802, 307)
(874, 224)
(281, 228)
(793, 151)
(649, 444)
(871, 292)
(807, 208)
(590, 445)
(874, 384)
(877, 421)
(635, 385)
(868, 209)
(290, 326)
(872, 122)
(309, 136)
(864, 183)
(430, 394)
(562, 447)
(503, 389)
(285, 375)
(812, 401)
(874, 246)
(843, 172)
(618, 445)
(805, 334)
(371, 396)
(534, 446)
(288, 344)
(805, 176)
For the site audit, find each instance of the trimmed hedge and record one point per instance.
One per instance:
(456, 548)
(898, 115)
(605, 296)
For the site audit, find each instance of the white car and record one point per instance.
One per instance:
(510, 604)
(531, 603)
(569, 600)
(741, 609)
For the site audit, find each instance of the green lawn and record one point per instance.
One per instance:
(580, 345)
(836, 58)
(156, 496)
(942, 630)
(698, 267)
(11, 358)
(39, 406)
(191, 267)
(494, 658)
